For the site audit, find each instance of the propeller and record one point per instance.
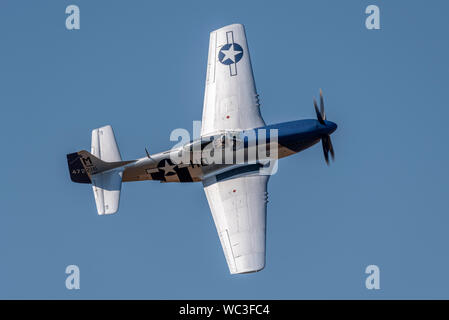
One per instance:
(325, 140)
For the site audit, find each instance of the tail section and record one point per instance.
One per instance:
(83, 165)
(77, 168)
(103, 168)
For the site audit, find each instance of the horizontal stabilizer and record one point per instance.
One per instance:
(102, 167)
(107, 188)
(106, 185)
(104, 145)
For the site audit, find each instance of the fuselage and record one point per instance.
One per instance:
(229, 153)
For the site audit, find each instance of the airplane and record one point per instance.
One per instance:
(232, 124)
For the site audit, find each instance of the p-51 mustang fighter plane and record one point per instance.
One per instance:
(232, 125)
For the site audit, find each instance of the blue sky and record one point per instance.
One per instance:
(140, 66)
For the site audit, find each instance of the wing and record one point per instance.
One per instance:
(239, 207)
(230, 99)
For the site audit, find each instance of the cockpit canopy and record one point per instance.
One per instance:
(219, 141)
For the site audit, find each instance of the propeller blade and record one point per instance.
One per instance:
(327, 147)
(323, 114)
(325, 150)
(318, 113)
(331, 148)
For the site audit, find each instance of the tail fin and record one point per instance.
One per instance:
(102, 167)
(83, 165)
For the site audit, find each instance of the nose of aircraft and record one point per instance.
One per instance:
(331, 126)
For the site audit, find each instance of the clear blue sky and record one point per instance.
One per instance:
(140, 66)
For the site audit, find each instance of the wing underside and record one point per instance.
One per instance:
(230, 99)
(238, 208)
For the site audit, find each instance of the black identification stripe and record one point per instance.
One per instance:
(184, 174)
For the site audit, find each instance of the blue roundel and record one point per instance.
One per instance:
(230, 53)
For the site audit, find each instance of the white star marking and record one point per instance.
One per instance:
(167, 168)
(230, 53)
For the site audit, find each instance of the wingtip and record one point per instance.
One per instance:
(230, 26)
(248, 271)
